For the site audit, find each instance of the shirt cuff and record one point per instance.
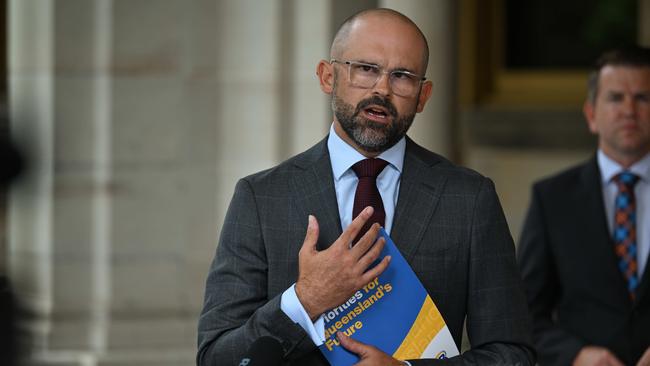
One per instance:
(291, 306)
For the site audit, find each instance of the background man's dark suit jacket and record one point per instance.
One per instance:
(448, 224)
(576, 294)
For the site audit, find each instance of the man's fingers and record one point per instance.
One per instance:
(371, 255)
(352, 230)
(376, 270)
(311, 238)
(614, 361)
(352, 345)
(366, 241)
(608, 358)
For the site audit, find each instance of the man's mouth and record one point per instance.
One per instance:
(376, 112)
(629, 124)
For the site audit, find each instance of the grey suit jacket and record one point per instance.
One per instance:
(448, 224)
(576, 293)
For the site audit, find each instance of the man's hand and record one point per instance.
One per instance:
(596, 356)
(645, 359)
(330, 277)
(369, 355)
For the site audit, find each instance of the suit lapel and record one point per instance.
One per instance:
(419, 193)
(314, 194)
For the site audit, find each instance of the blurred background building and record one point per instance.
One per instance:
(136, 117)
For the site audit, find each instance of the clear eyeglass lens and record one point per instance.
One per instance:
(366, 76)
(403, 83)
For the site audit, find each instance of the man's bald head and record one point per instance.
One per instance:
(340, 44)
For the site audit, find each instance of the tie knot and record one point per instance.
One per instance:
(626, 178)
(369, 167)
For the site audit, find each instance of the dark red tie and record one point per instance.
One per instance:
(367, 193)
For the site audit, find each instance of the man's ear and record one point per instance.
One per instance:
(325, 72)
(588, 109)
(425, 94)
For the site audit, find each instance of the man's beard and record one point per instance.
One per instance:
(369, 135)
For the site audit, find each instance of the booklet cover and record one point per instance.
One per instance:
(393, 313)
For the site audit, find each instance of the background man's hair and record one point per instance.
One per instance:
(632, 56)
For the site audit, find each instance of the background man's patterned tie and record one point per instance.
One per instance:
(367, 193)
(625, 229)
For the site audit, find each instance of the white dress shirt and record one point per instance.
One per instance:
(343, 156)
(608, 169)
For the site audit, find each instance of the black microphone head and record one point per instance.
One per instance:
(265, 351)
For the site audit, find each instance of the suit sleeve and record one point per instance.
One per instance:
(555, 346)
(237, 308)
(498, 323)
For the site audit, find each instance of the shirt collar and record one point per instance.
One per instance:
(609, 168)
(343, 156)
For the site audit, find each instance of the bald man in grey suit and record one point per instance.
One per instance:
(284, 256)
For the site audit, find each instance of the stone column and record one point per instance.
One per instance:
(139, 117)
(60, 214)
(309, 37)
(30, 68)
(434, 128)
(118, 116)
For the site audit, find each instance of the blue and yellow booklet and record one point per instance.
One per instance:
(394, 313)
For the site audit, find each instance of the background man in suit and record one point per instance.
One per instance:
(585, 243)
(283, 257)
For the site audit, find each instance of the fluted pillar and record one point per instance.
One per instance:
(60, 212)
(138, 117)
(434, 127)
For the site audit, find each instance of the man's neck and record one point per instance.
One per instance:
(338, 129)
(625, 160)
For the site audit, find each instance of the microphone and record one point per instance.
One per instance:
(265, 351)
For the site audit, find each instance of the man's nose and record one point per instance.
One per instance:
(382, 86)
(629, 106)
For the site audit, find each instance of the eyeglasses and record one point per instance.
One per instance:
(363, 75)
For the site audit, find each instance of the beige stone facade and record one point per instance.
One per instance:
(140, 115)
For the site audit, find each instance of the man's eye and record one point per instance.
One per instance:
(614, 97)
(367, 69)
(401, 75)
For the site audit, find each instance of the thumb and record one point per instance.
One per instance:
(311, 238)
(352, 345)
